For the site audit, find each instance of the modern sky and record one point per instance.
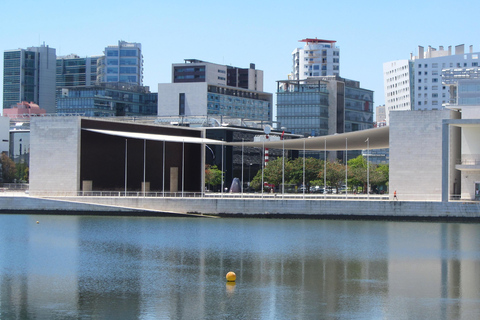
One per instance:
(238, 33)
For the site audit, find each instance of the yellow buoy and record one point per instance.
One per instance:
(231, 276)
(38, 222)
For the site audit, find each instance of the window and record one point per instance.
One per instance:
(434, 79)
(426, 72)
(419, 65)
(420, 88)
(434, 65)
(474, 64)
(434, 87)
(419, 80)
(181, 104)
(434, 95)
(434, 102)
(419, 73)
(419, 103)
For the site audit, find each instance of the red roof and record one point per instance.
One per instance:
(317, 40)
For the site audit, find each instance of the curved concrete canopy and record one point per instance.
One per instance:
(378, 138)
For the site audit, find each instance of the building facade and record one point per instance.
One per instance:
(194, 70)
(416, 84)
(74, 71)
(29, 75)
(317, 58)
(121, 63)
(107, 100)
(322, 106)
(202, 88)
(380, 116)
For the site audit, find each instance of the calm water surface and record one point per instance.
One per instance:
(72, 267)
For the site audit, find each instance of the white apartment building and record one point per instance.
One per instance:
(416, 84)
(380, 116)
(317, 58)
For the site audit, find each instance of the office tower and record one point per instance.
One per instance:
(121, 63)
(29, 75)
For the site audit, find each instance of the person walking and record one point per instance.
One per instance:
(395, 195)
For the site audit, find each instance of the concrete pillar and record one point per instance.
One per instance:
(146, 186)
(173, 179)
(87, 185)
(445, 158)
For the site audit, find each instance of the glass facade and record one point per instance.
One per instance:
(358, 109)
(234, 102)
(19, 77)
(121, 63)
(303, 107)
(107, 100)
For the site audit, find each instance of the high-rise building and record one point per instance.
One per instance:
(194, 70)
(416, 83)
(380, 116)
(321, 106)
(29, 75)
(317, 58)
(73, 71)
(121, 63)
(202, 88)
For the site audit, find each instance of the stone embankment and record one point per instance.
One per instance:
(236, 207)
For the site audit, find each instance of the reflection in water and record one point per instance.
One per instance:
(174, 268)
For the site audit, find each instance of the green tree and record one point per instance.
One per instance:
(213, 176)
(8, 168)
(335, 174)
(312, 168)
(22, 172)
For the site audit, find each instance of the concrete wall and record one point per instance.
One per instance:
(416, 154)
(4, 134)
(195, 98)
(278, 207)
(54, 154)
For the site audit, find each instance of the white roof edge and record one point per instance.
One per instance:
(156, 137)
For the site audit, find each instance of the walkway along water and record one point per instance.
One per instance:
(268, 206)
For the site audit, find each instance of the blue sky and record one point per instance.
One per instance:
(368, 33)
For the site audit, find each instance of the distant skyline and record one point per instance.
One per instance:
(265, 33)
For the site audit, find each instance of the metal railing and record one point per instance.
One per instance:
(212, 195)
(468, 162)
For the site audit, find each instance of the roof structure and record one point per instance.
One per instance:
(378, 138)
(317, 40)
(156, 137)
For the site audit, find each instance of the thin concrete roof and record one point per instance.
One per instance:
(378, 138)
(156, 137)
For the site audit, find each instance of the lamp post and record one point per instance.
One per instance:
(249, 175)
(368, 168)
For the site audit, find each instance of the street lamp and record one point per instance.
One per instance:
(249, 176)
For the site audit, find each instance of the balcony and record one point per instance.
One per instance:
(468, 164)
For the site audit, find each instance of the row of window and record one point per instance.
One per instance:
(122, 70)
(123, 53)
(123, 62)
(426, 80)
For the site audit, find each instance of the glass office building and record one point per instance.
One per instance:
(29, 75)
(321, 106)
(121, 63)
(106, 100)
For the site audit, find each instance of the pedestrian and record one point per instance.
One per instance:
(395, 195)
